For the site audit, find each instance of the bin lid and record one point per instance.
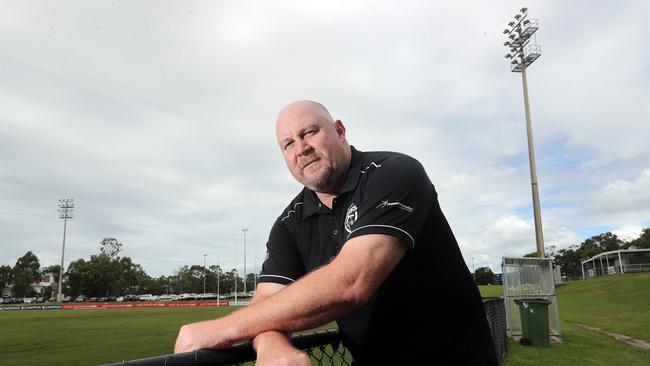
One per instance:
(531, 301)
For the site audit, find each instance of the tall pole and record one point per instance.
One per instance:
(539, 236)
(245, 230)
(255, 262)
(523, 54)
(204, 259)
(236, 250)
(65, 212)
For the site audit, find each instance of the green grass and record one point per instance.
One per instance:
(579, 347)
(82, 337)
(95, 336)
(491, 291)
(618, 304)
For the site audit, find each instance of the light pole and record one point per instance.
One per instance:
(244, 230)
(523, 54)
(204, 258)
(66, 206)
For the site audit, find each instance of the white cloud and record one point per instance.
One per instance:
(158, 119)
(622, 195)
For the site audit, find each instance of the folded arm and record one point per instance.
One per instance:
(323, 295)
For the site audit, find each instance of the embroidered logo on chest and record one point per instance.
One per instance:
(351, 217)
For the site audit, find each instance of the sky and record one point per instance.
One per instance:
(157, 118)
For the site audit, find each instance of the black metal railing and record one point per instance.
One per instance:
(323, 347)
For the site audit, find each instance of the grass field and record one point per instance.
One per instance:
(85, 337)
(619, 304)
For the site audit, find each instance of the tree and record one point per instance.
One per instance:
(643, 241)
(74, 276)
(251, 279)
(29, 262)
(110, 247)
(569, 261)
(483, 276)
(25, 273)
(606, 242)
(6, 277)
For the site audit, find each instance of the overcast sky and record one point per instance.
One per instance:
(157, 118)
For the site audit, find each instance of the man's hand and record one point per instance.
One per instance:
(274, 349)
(206, 334)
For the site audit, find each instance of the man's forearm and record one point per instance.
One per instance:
(297, 307)
(318, 298)
(325, 294)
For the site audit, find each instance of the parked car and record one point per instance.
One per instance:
(40, 300)
(81, 298)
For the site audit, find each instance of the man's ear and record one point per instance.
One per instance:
(340, 129)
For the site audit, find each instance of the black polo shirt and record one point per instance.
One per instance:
(428, 310)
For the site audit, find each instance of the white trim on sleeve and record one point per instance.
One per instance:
(393, 227)
(285, 278)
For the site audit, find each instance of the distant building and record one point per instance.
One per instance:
(47, 280)
(617, 261)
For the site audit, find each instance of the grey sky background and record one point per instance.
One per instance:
(157, 118)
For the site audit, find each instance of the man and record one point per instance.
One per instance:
(366, 244)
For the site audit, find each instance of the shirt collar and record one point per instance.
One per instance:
(312, 204)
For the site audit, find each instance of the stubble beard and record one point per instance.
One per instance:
(322, 182)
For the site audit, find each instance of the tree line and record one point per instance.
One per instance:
(109, 274)
(570, 259)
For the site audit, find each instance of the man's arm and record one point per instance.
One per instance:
(273, 347)
(323, 295)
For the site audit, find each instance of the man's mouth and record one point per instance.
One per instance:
(309, 163)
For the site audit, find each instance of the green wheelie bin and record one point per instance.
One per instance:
(534, 321)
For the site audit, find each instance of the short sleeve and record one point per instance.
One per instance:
(396, 197)
(282, 264)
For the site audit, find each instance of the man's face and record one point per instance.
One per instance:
(313, 147)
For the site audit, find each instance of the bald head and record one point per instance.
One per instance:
(302, 108)
(313, 145)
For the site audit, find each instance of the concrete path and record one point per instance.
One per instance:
(638, 343)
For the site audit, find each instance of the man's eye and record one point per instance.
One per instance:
(288, 145)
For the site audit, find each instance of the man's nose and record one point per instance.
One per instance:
(302, 148)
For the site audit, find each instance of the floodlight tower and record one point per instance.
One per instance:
(66, 206)
(204, 259)
(523, 54)
(244, 230)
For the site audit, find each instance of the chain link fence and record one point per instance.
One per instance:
(495, 310)
(323, 347)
